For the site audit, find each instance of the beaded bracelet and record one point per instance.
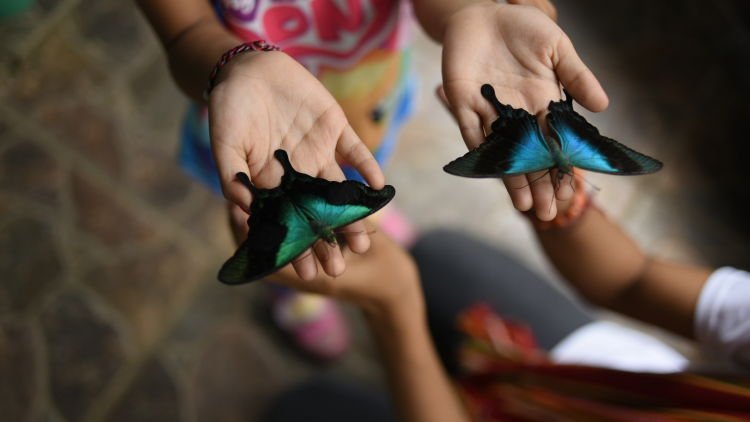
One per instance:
(579, 204)
(257, 45)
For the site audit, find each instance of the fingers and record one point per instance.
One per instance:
(321, 283)
(237, 222)
(356, 234)
(357, 237)
(330, 258)
(471, 127)
(577, 78)
(519, 191)
(440, 94)
(356, 154)
(305, 265)
(543, 194)
(565, 189)
(230, 162)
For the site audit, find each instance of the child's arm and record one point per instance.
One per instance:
(525, 56)
(433, 15)
(609, 269)
(384, 283)
(261, 102)
(193, 39)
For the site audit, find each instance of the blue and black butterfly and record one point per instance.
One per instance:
(517, 145)
(286, 220)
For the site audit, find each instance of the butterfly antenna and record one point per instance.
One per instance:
(341, 235)
(534, 181)
(593, 186)
(357, 232)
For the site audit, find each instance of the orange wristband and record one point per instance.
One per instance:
(579, 204)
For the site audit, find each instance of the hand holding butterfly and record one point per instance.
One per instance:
(382, 279)
(525, 56)
(266, 101)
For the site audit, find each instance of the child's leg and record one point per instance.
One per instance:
(458, 271)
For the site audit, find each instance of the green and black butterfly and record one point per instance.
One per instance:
(517, 146)
(286, 220)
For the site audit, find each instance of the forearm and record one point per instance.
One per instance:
(419, 385)
(609, 269)
(433, 14)
(193, 39)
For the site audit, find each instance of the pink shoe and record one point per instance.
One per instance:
(395, 224)
(314, 323)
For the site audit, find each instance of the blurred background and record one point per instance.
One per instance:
(109, 307)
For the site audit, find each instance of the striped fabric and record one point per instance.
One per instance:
(507, 377)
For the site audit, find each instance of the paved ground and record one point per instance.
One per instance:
(108, 305)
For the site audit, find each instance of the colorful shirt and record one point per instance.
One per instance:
(356, 48)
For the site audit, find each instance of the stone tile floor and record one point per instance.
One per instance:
(108, 305)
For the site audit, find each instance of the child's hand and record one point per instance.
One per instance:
(525, 56)
(384, 279)
(265, 101)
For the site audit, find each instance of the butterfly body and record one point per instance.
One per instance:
(563, 164)
(285, 221)
(517, 145)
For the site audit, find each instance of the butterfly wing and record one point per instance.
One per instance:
(280, 219)
(586, 148)
(337, 204)
(279, 233)
(515, 146)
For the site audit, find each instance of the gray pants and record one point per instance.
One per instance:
(456, 272)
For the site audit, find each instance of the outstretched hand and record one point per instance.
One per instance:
(525, 56)
(264, 101)
(379, 280)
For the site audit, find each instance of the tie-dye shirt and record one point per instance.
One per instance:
(358, 49)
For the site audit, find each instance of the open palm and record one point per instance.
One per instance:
(268, 101)
(525, 56)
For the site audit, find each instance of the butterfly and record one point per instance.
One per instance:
(286, 220)
(517, 145)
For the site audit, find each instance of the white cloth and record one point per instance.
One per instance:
(722, 327)
(722, 317)
(610, 345)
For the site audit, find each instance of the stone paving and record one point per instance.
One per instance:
(109, 309)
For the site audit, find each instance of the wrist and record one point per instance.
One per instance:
(405, 306)
(236, 66)
(233, 55)
(435, 19)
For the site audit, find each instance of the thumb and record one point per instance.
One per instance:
(440, 94)
(577, 78)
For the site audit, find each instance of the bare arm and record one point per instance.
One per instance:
(609, 269)
(384, 282)
(418, 383)
(193, 39)
(433, 14)
(261, 102)
(518, 49)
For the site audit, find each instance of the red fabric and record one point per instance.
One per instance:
(506, 377)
